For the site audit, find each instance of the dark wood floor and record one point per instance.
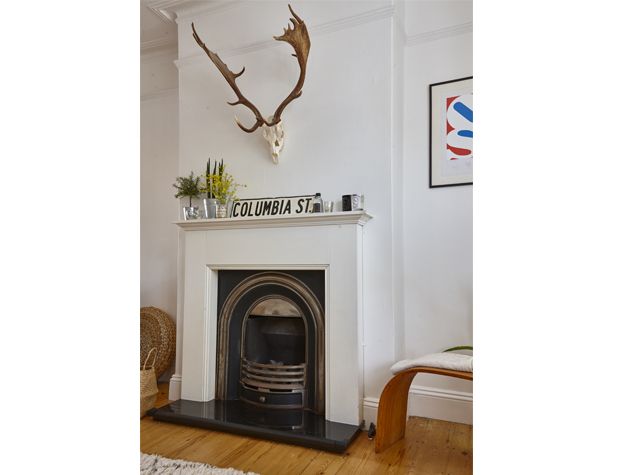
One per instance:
(431, 447)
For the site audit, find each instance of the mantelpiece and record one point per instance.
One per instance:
(328, 242)
(314, 219)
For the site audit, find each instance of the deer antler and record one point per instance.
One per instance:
(298, 38)
(230, 77)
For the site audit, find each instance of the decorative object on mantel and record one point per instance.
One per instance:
(223, 188)
(352, 202)
(318, 204)
(282, 205)
(157, 330)
(273, 131)
(148, 384)
(188, 187)
(210, 202)
(451, 136)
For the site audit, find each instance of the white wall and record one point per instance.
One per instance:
(158, 162)
(437, 222)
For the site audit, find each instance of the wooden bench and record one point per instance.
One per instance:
(392, 407)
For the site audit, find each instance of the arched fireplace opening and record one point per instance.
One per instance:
(270, 350)
(273, 356)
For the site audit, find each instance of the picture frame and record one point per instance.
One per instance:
(451, 133)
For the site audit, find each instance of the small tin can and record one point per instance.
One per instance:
(352, 202)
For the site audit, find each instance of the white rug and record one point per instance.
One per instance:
(155, 464)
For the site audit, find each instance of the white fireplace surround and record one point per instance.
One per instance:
(332, 242)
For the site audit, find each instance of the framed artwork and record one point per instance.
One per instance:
(451, 133)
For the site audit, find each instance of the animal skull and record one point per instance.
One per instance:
(274, 135)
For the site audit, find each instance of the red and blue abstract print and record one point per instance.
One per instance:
(459, 127)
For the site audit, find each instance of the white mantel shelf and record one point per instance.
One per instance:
(315, 219)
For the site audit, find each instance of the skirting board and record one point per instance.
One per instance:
(175, 387)
(434, 403)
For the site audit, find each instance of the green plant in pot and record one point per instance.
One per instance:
(210, 202)
(222, 187)
(188, 187)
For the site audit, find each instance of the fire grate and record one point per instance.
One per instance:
(273, 384)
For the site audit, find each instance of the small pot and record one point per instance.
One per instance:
(191, 212)
(210, 208)
(222, 210)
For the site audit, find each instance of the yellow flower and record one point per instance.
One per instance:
(223, 187)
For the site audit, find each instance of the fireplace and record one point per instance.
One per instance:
(270, 350)
(269, 328)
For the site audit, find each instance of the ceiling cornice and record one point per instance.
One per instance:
(354, 20)
(183, 10)
(317, 30)
(172, 10)
(164, 9)
(439, 34)
(157, 45)
(168, 52)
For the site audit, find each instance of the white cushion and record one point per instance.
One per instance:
(454, 361)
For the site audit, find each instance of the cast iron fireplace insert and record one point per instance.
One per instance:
(270, 348)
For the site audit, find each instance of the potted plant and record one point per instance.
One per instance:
(223, 188)
(210, 202)
(188, 187)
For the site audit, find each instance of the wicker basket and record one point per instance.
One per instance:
(148, 384)
(157, 330)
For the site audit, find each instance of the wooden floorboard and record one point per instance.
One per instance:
(431, 447)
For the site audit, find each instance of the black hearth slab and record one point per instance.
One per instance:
(273, 424)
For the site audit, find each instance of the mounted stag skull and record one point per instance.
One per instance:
(273, 132)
